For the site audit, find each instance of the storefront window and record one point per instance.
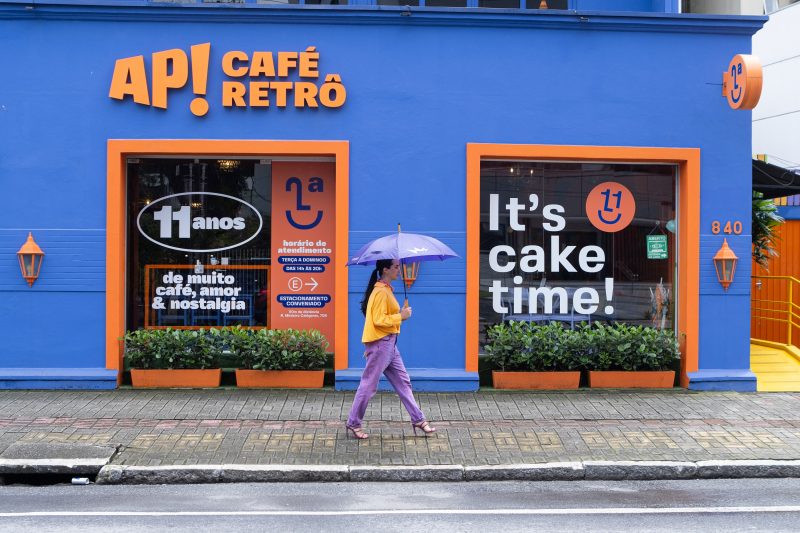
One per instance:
(551, 4)
(577, 242)
(198, 242)
(446, 3)
(498, 4)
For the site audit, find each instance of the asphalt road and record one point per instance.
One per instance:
(697, 505)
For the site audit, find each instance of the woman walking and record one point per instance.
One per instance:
(383, 317)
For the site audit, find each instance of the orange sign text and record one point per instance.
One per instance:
(259, 79)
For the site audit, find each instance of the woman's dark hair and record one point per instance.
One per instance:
(379, 268)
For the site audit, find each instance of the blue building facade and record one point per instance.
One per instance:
(417, 88)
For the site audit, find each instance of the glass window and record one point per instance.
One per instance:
(398, 2)
(198, 242)
(445, 3)
(577, 242)
(775, 5)
(549, 4)
(505, 4)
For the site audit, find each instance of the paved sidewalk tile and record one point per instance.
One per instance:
(234, 426)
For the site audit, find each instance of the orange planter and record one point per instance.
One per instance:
(176, 379)
(280, 379)
(645, 379)
(536, 380)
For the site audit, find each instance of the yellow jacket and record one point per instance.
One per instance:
(383, 313)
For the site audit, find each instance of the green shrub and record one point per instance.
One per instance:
(624, 347)
(515, 346)
(523, 346)
(243, 345)
(259, 349)
(173, 348)
(278, 349)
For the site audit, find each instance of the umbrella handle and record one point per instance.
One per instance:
(405, 302)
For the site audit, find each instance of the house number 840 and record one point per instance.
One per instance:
(734, 227)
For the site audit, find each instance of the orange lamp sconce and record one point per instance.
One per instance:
(30, 260)
(410, 271)
(725, 264)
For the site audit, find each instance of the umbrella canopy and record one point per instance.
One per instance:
(405, 247)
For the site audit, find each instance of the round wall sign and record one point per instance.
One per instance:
(743, 82)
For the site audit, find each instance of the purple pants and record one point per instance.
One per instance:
(383, 358)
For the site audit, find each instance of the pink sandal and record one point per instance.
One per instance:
(426, 428)
(358, 433)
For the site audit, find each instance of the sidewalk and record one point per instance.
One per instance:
(282, 427)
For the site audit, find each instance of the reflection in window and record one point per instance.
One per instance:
(198, 242)
(445, 3)
(551, 4)
(499, 4)
(523, 247)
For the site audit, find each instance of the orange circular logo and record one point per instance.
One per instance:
(742, 82)
(610, 207)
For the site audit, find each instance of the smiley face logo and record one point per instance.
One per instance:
(736, 85)
(610, 207)
(742, 82)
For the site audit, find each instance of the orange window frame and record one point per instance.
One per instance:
(688, 162)
(118, 150)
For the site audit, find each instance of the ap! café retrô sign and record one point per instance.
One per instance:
(260, 79)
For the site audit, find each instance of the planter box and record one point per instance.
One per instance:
(280, 379)
(176, 379)
(536, 380)
(645, 379)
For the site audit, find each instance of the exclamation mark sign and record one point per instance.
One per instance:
(200, 58)
(609, 295)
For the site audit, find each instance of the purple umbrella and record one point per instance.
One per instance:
(405, 247)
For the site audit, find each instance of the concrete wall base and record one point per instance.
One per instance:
(58, 378)
(723, 379)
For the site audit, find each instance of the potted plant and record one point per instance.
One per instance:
(531, 356)
(278, 358)
(173, 358)
(631, 356)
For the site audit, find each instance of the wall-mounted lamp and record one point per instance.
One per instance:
(725, 264)
(410, 271)
(30, 260)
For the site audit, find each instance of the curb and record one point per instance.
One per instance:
(178, 474)
(44, 458)
(407, 473)
(526, 472)
(77, 467)
(558, 471)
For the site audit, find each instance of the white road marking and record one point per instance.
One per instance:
(379, 512)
